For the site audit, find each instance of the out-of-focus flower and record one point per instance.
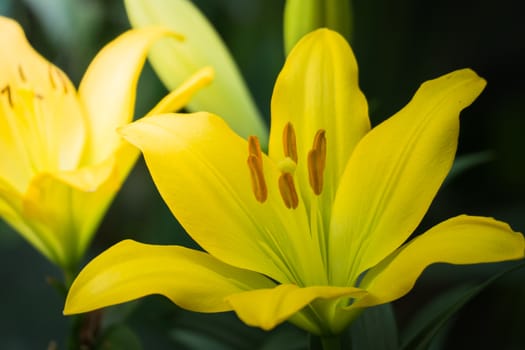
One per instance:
(62, 159)
(304, 16)
(316, 231)
(227, 95)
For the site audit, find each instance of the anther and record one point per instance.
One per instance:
(7, 90)
(51, 78)
(288, 192)
(54, 71)
(255, 164)
(21, 73)
(289, 142)
(317, 162)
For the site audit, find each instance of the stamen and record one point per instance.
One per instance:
(54, 71)
(288, 192)
(51, 78)
(255, 165)
(7, 90)
(21, 73)
(317, 162)
(289, 142)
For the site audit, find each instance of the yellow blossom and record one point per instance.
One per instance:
(62, 159)
(318, 229)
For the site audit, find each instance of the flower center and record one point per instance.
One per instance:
(28, 119)
(316, 164)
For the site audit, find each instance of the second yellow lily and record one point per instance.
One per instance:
(62, 159)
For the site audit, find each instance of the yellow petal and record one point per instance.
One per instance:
(108, 88)
(42, 127)
(228, 95)
(266, 308)
(395, 172)
(86, 193)
(460, 240)
(129, 270)
(182, 95)
(317, 89)
(200, 167)
(11, 210)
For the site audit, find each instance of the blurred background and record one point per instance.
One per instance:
(398, 46)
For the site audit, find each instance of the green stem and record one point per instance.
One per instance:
(331, 342)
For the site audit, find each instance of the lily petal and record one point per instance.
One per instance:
(129, 270)
(85, 192)
(459, 240)
(266, 308)
(108, 88)
(11, 210)
(228, 95)
(395, 172)
(318, 89)
(200, 167)
(182, 95)
(42, 127)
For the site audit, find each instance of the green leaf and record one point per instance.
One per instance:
(376, 328)
(304, 16)
(467, 161)
(419, 334)
(119, 337)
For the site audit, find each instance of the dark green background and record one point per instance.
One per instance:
(398, 46)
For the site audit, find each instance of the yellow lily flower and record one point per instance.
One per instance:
(314, 232)
(62, 159)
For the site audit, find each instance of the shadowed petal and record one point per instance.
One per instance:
(129, 270)
(395, 172)
(460, 240)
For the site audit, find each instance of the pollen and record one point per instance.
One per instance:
(317, 162)
(255, 164)
(6, 90)
(288, 191)
(54, 73)
(289, 142)
(21, 74)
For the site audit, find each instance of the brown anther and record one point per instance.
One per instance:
(55, 72)
(51, 78)
(317, 162)
(288, 192)
(289, 142)
(21, 74)
(255, 164)
(7, 90)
